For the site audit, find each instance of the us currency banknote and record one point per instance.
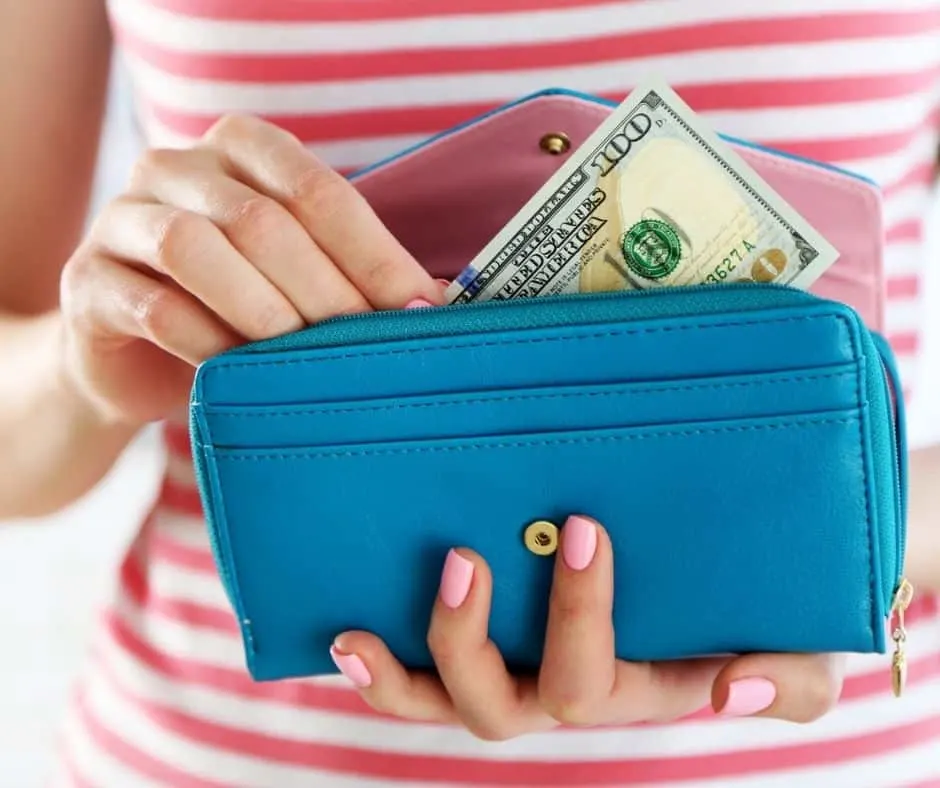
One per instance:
(653, 198)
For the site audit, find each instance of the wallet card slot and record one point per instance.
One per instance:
(725, 510)
(523, 411)
(667, 348)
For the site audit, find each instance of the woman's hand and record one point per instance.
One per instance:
(580, 682)
(245, 237)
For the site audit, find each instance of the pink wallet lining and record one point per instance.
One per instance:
(446, 199)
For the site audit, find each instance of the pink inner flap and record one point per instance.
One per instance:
(446, 200)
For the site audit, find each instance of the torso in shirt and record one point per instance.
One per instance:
(855, 84)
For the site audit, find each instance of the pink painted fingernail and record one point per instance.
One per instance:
(351, 667)
(443, 282)
(578, 542)
(748, 696)
(417, 303)
(455, 580)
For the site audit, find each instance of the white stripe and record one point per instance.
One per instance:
(685, 739)
(780, 61)
(184, 529)
(178, 583)
(180, 641)
(202, 761)
(205, 35)
(903, 206)
(830, 121)
(895, 769)
(886, 170)
(95, 765)
(908, 369)
(904, 314)
(904, 258)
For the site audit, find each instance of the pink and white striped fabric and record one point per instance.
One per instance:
(166, 700)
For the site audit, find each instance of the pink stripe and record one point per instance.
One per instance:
(294, 693)
(391, 765)
(134, 758)
(857, 148)
(180, 498)
(195, 615)
(361, 10)
(176, 438)
(921, 174)
(164, 548)
(903, 287)
(904, 343)
(909, 231)
(703, 36)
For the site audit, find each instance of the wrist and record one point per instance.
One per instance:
(86, 414)
(59, 442)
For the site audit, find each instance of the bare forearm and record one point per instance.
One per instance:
(923, 551)
(53, 445)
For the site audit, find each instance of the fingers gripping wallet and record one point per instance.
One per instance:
(743, 444)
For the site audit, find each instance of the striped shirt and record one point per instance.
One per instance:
(166, 699)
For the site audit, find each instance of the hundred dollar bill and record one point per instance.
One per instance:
(653, 198)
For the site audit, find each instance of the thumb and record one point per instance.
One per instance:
(794, 687)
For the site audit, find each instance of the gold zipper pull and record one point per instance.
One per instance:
(899, 605)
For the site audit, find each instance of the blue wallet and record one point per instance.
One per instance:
(742, 444)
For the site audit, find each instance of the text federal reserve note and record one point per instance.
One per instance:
(652, 198)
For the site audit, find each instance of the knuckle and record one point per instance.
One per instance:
(231, 126)
(153, 162)
(442, 647)
(271, 319)
(74, 281)
(154, 312)
(572, 710)
(257, 217)
(491, 730)
(381, 701)
(568, 607)
(180, 230)
(376, 274)
(819, 694)
(317, 191)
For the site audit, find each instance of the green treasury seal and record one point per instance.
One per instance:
(651, 249)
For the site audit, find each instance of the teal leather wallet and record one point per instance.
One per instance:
(743, 445)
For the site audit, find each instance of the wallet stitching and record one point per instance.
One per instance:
(530, 341)
(863, 467)
(260, 455)
(530, 397)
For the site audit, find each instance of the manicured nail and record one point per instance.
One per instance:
(351, 667)
(748, 696)
(578, 542)
(455, 580)
(443, 282)
(417, 303)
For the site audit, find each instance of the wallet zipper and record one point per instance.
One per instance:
(333, 332)
(904, 590)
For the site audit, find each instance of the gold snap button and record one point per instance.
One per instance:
(541, 537)
(555, 143)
